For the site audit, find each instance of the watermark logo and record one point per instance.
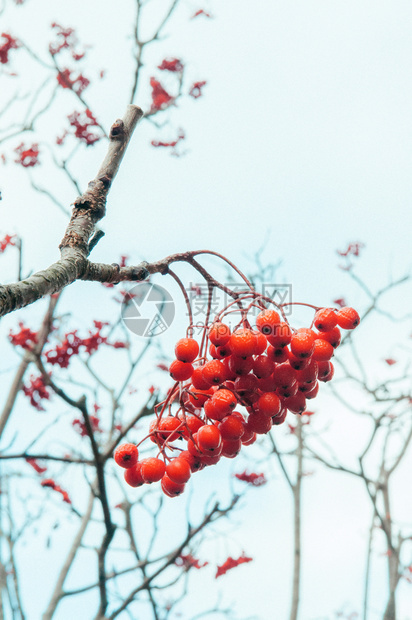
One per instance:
(148, 310)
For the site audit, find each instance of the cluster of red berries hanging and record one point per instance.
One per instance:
(266, 372)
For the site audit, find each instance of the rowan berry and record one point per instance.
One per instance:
(268, 404)
(296, 404)
(219, 334)
(287, 392)
(126, 455)
(302, 343)
(193, 447)
(186, 350)
(279, 419)
(231, 448)
(243, 343)
(163, 429)
(194, 462)
(231, 428)
(325, 319)
(281, 336)
(326, 371)
(278, 355)
(306, 388)
(308, 374)
(180, 371)
(222, 351)
(259, 423)
(213, 372)
(198, 397)
(263, 366)
(314, 391)
(178, 470)
(224, 401)
(267, 321)
(212, 412)
(191, 424)
(152, 469)
(210, 458)
(209, 438)
(245, 384)
(284, 375)
(267, 384)
(198, 381)
(133, 476)
(248, 437)
(348, 318)
(240, 365)
(170, 488)
(323, 350)
(261, 343)
(333, 336)
(297, 363)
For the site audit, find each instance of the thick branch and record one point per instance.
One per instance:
(89, 209)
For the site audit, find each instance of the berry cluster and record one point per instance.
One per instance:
(266, 372)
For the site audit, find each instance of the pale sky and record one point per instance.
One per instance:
(302, 140)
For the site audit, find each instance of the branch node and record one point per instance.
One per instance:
(117, 130)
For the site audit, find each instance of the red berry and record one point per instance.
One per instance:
(259, 423)
(163, 430)
(152, 469)
(296, 404)
(297, 363)
(231, 448)
(208, 438)
(284, 375)
(198, 381)
(323, 350)
(224, 401)
(231, 428)
(133, 476)
(194, 461)
(348, 318)
(326, 371)
(267, 384)
(180, 371)
(170, 488)
(278, 355)
(325, 319)
(313, 392)
(279, 419)
(261, 343)
(199, 397)
(281, 336)
(302, 343)
(211, 412)
(268, 404)
(287, 392)
(248, 437)
(178, 470)
(213, 372)
(223, 351)
(308, 374)
(267, 321)
(219, 334)
(263, 366)
(211, 458)
(333, 336)
(126, 455)
(243, 343)
(240, 365)
(245, 384)
(186, 350)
